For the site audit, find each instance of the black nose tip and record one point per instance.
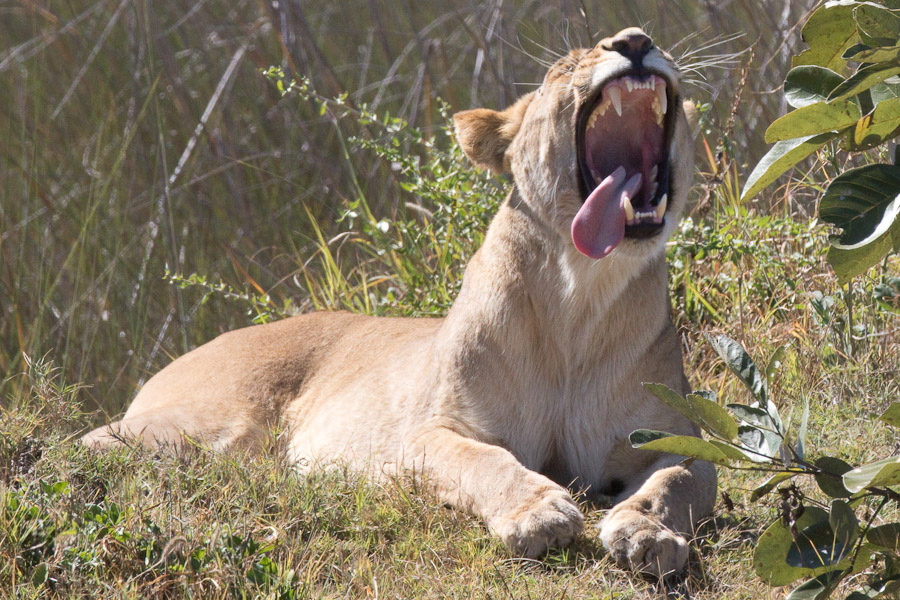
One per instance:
(631, 43)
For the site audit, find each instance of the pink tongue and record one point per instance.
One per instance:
(599, 225)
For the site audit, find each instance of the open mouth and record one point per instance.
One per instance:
(622, 140)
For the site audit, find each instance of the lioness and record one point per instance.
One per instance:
(532, 382)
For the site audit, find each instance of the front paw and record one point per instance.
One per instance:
(552, 522)
(639, 542)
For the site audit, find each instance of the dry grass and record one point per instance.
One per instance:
(136, 136)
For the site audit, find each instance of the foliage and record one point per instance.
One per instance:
(845, 89)
(411, 264)
(823, 544)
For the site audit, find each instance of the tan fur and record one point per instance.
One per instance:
(531, 383)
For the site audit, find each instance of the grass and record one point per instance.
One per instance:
(130, 235)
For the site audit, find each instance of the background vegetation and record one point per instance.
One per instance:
(140, 140)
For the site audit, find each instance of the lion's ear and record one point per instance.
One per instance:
(693, 117)
(485, 134)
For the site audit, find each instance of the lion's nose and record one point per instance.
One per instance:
(632, 43)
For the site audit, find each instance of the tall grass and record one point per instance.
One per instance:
(157, 190)
(139, 136)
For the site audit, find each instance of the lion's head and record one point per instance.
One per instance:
(601, 150)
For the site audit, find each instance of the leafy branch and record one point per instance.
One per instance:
(824, 545)
(845, 89)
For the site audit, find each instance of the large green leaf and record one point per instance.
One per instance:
(814, 119)
(829, 31)
(885, 536)
(879, 126)
(878, 55)
(753, 415)
(877, 25)
(817, 588)
(740, 363)
(862, 80)
(698, 409)
(831, 479)
(769, 557)
(843, 522)
(856, 200)
(819, 546)
(684, 445)
(865, 203)
(781, 157)
(730, 451)
(892, 415)
(761, 445)
(885, 472)
(712, 417)
(809, 84)
(880, 588)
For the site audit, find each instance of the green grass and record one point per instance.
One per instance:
(274, 208)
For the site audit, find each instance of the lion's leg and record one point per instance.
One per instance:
(645, 530)
(148, 430)
(174, 428)
(528, 511)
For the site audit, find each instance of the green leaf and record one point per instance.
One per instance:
(781, 157)
(885, 536)
(40, 575)
(880, 588)
(831, 480)
(698, 409)
(670, 398)
(712, 417)
(819, 546)
(809, 84)
(883, 472)
(887, 90)
(740, 363)
(818, 588)
(877, 25)
(892, 415)
(764, 446)
(863, 79)
(843, 522)
(865, 203)
(829, 31)
(773, 546)
(877, 127)
(684, 445)
(878, 55)
(771, 483)
(814, 119)
(730, 451)
(753, 415)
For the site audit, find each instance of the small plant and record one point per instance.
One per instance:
(825, 544)
(410, 264)
(845, 89)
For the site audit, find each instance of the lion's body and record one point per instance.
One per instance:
(532, 382)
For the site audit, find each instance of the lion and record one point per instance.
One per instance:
(532, 383)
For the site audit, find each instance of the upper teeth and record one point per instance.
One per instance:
(612, 96)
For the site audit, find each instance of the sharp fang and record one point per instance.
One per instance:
(629, 84)
(663, 102)
(661, 207)
(615, 96)
(629, 210)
